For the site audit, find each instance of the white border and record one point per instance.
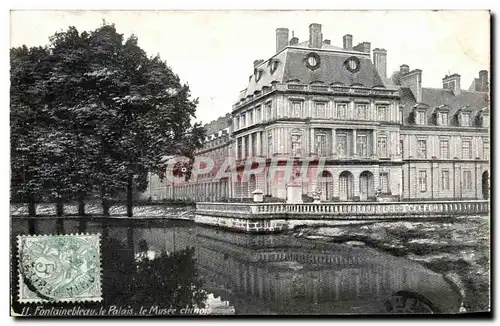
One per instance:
(184, 4)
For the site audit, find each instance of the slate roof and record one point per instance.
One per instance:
(331, 70)
(217, 125)
(292, 66)
(435, 97)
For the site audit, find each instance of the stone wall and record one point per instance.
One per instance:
(71, 210)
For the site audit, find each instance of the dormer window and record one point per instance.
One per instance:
(421, 117)
(312, 61)
(352, 64)
(465, 119)
(442, 118)
(258, 74)
(484, 118)
(273, 65)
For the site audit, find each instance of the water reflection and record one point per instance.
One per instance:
(180, 264)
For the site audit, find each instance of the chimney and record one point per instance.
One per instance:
(257, 62)
(363, 47)
(412, 80)
(404, 69)
(347, 41)
(281, 39)
(380, 61)
(315, 36)
(452, 82)
(327, 42)
(483, 81)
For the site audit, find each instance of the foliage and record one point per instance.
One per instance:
(92, 114)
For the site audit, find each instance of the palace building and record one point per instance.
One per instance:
(359, 134)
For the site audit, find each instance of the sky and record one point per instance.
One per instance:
(213, 51)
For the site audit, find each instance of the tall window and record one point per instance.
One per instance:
(486, 149)
(421, 117)
(382, 145)
(297, 109)
(250, 118)
(269, 112)
(246, 147)
(320, 110)
(467, 183)
(341, 110)
(402, 147)
(269, 143)
(257, 115)
(239, 142)
(382, 112)
(362, 111)
(342, 144)
(443, 118)
(465, 119)
(401, 116)
(237, 123)
(242, 120)
(445, 180)
(443, 149)
(320, 144)
(296, 143)
(254, 144)
(466, 149)
(422, 180)
(384, 182)
(362, 145)
(422, 148)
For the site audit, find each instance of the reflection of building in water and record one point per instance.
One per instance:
(279, 274)
(272, 273)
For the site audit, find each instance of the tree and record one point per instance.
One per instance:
(92, 114)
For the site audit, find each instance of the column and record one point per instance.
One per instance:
(311, 148)
(250, 147)
(372, 114)
(259, 144)
(273, 138)
(374, 143)
(243, 149)
(334, 142)
(235, 144)
(354, 141)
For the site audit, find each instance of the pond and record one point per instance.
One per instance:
(177, 267)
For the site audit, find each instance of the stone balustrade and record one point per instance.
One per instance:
(332, 89)
(344, 209)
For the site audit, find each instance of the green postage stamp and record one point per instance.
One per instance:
(59, 268)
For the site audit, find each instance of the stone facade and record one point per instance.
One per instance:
(361, 135)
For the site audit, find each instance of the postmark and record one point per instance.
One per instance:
(59, 268)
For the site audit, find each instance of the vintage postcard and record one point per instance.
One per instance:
(202, 163)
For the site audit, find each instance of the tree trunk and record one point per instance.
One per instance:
(59, 208)
(81, 205)
(130, 179)
(105, 207)
(31, 226)
(31, 207)
(105, 203)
